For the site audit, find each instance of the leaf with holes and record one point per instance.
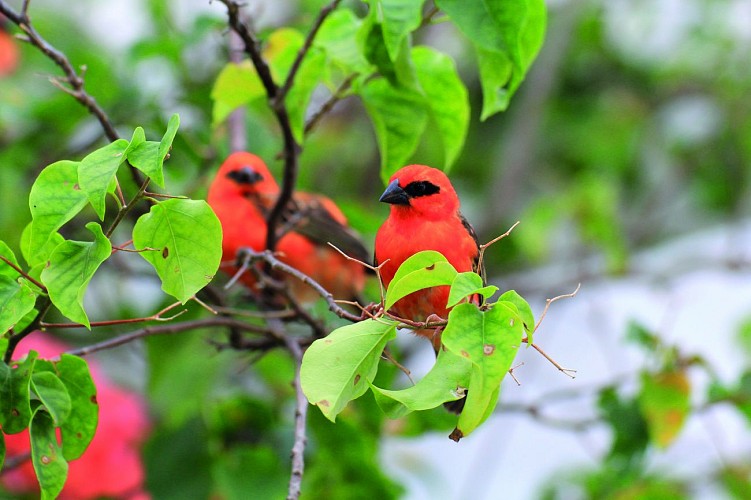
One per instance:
(55, 198)
(339, 368)
(446, 381)
(182, 239)
(71, 267)
(79, 428)
(96, 173)
(422, 270)
(490, 340)
(46, 455)
(15, 410)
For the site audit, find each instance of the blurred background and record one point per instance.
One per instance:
(626, 155)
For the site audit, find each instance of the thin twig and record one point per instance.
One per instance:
(322, 15)
(301, 412)
(159, 316)
(330, 103)
(23, 273)
(550, 301)
(485, 246)
(15, 339)
(565, 371)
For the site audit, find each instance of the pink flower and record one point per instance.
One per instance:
(111, 466)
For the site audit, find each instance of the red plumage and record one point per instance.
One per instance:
(424, 215)
(244, 192)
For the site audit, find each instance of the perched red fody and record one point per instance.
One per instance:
(243, 193)
(424, 215)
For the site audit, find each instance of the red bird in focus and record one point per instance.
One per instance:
(242, 195)
(424, 215)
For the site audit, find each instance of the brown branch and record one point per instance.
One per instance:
(330, 103)
(154, 317)
(168, 330)
(15, 339)
(74, 81)
(250, 255)
(23, 273)
(550, 301)
(301, 412)
(322, 15)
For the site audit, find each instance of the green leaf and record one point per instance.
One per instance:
(338, 38)
(525, 312)
(15, 410)
(5, 269)
(96, 173)
(399, 118)
(399, 71)
(467, 284)
(490, 340)
(52, 393)
(186, 241)
(16, 300)
(665, 402)
(507, 37)
(338, 368)
(71, 267)
(39, 256)
(149, 156)
(79, 428)
(46, 455)
(422, 270)
(399, 18)
(446, 381)
(447, 99)
(237, 84)
(55, 199)
(139, 136)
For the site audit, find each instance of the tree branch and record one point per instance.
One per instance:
(301, 413)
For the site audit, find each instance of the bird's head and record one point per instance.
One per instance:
(244, 174)
(423, 190)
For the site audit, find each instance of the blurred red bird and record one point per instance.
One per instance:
(242, 195)
(424, 215)
(8, 50)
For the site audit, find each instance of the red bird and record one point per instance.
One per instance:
(244, 192)
(8, 50)
(424, 215)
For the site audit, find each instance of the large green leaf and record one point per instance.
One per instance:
(71, 267)
(399, 18)
(398, 70)
(182, 239)
(338, 38)
(422, 270)
(490, 340)
(96, 173)
(15, 410)
(447, 99)
(507, 37)
(79, 428)
(46, 455)
(446, 381)
(524, 310)
(39, 256)
(17, 298)
(55, 198)
(52, 393)
(339, 368)
(237, 84)
(399, 118)
(149, 156)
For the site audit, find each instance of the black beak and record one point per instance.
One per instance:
(245, 175)
(394, 194)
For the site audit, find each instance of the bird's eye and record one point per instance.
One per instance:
(421, 188)
(245, 175)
